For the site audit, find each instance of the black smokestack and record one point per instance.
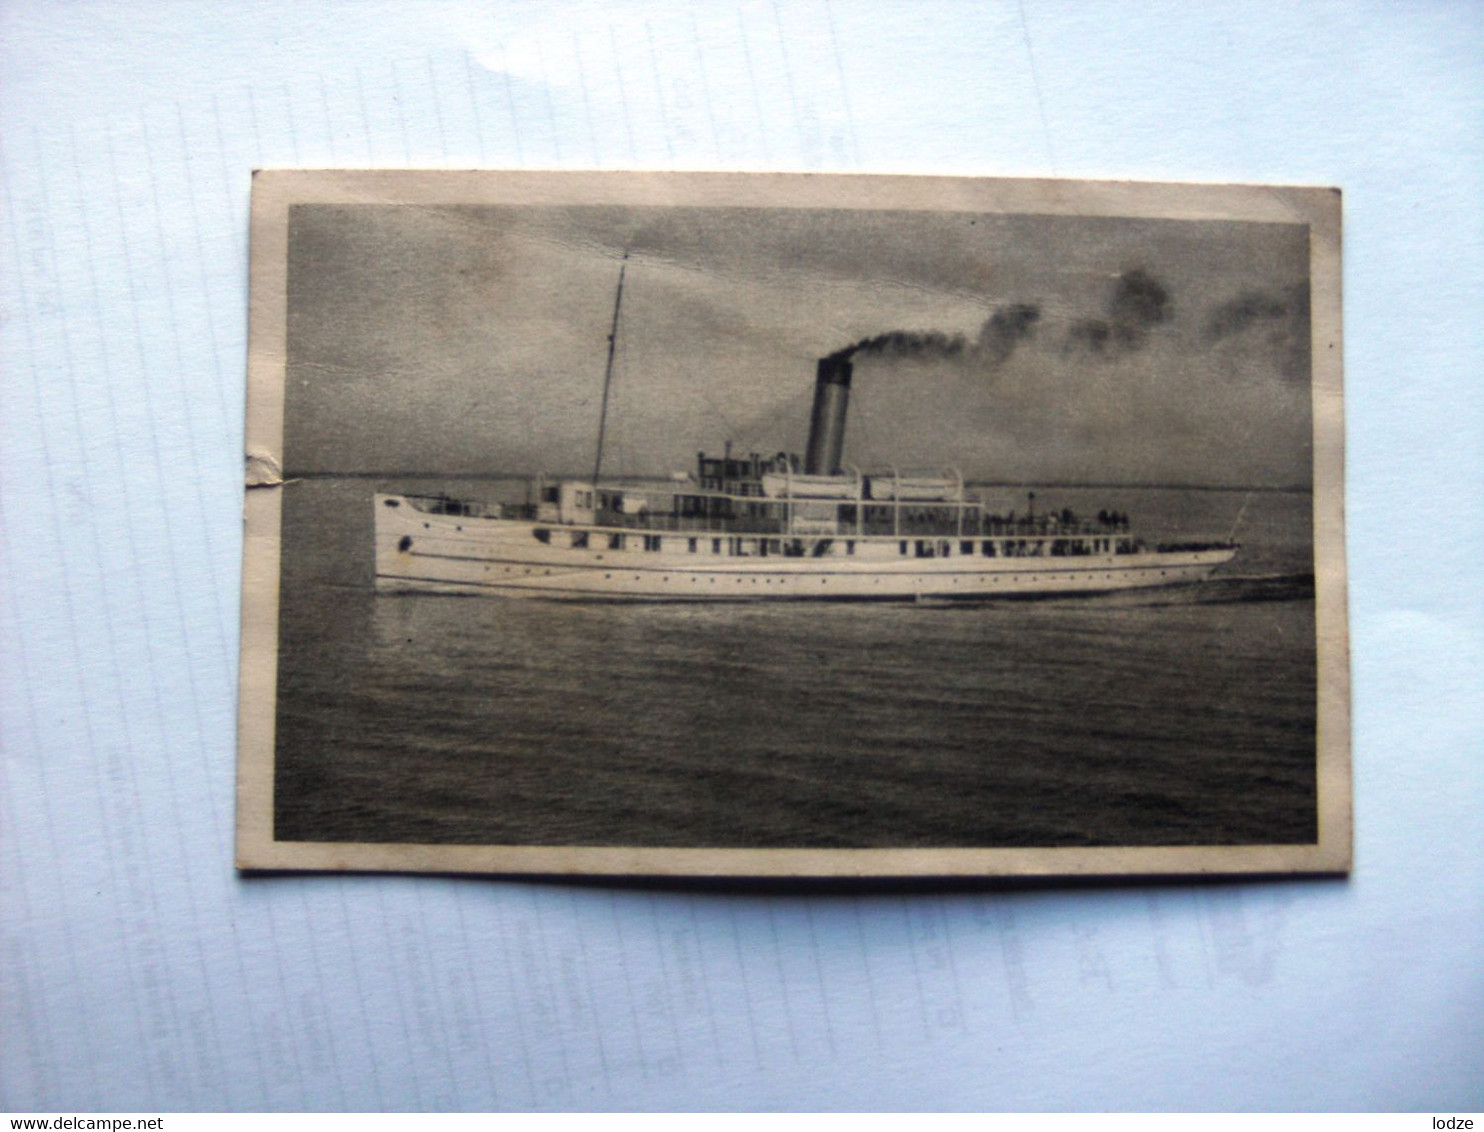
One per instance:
(827, 423)
(999, 336)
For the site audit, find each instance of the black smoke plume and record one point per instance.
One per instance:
(1004, 330)
(1137, 304)
(997, 339)
(1091, 334)
(1253, 308)
(1277, 320)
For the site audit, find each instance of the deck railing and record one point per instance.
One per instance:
(941, 524)
(693, 524)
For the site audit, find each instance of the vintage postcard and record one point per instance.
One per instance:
(793, 525)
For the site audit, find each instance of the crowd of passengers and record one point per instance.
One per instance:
(1053, 522)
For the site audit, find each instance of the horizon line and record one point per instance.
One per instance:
(1284, 489)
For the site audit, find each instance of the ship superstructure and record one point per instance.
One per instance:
(750, 527)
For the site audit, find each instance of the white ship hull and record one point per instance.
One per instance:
(422, 552)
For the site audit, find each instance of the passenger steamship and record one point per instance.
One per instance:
(749, 528)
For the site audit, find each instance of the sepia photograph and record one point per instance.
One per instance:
(793, 525)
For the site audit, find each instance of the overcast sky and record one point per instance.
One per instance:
(1040, 348)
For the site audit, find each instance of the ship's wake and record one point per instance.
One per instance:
(1228, 590)
(1231, 589)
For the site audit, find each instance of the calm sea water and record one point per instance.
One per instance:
(1165, 717)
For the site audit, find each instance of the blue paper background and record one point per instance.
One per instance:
(140, 973)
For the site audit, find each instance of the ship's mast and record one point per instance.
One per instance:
(608, 371)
